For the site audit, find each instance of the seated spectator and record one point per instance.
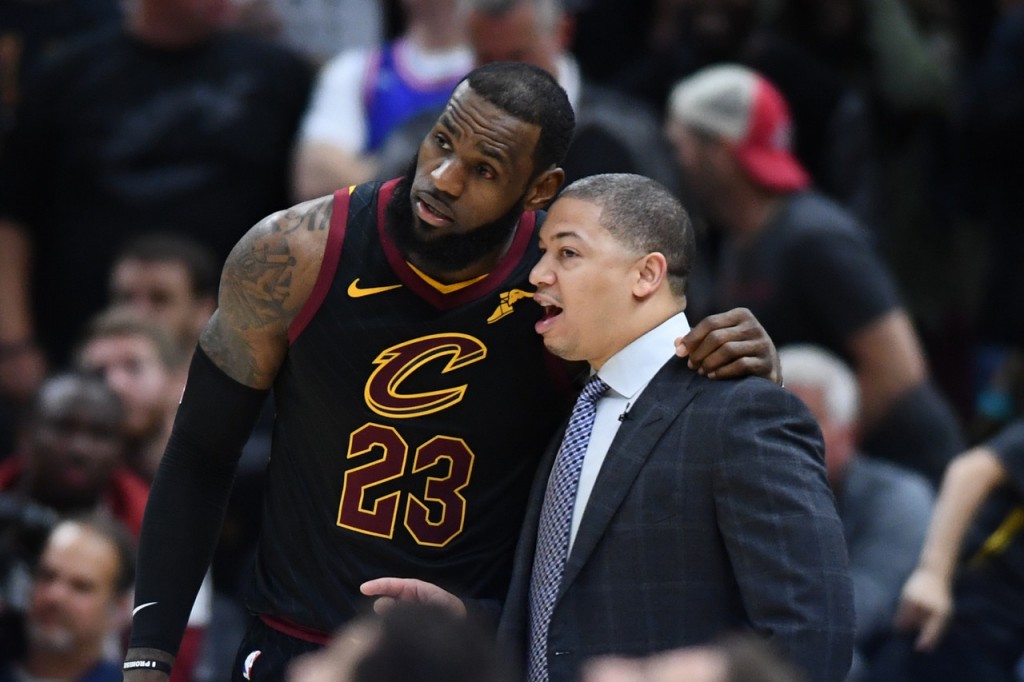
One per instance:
(145, 367)
(362, 95)
(802, 263)
(71, 450)
(963, 607)
(169, 278)
(408, 643)
(884, 507)
(80, 602)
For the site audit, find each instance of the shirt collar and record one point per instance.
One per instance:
(631, 369)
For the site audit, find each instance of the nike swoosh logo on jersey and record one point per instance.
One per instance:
(355, 291)
(141, 606)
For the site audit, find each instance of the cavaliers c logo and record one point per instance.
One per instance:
(383, 392)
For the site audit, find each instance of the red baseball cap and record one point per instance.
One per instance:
(743, 107)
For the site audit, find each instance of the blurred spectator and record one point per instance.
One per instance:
(409, 643)
(71, 450)
(884, 508)
(803, 264)
(30, 30)
(80, 601)
(832, 135)
(170, 279)
(900, 55)
(140, 361)
(614, 133)
(319, 29)
(24, 527)
(964, 604)
(362, 95)
(737, 658)
(168, 123)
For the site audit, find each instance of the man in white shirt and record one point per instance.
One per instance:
(694, 508)
(363, 94)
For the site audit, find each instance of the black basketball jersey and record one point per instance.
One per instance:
(409, 425)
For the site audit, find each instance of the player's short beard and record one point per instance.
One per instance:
(447, 253)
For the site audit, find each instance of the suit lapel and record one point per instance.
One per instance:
(668, 393)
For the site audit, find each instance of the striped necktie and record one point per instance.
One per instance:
(555, 521)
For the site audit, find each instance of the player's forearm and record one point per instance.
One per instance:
(186, 505)
(968, 481)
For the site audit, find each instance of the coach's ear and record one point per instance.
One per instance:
(544, 189)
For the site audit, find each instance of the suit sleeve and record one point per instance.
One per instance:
(778, 519)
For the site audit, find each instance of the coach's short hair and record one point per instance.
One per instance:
(643, 215)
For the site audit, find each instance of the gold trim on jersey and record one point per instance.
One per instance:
(441, 286)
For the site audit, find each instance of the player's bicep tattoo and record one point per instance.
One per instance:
(265, 282)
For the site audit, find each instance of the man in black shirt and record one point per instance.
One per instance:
(802, 263)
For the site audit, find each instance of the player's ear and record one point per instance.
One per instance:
(543, 189)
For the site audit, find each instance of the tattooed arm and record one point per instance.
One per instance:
(266, 281)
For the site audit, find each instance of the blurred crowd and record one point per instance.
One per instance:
(855, 166)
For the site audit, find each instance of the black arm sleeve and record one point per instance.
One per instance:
(186, 504)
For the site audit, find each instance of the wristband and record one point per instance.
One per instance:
(147, 664)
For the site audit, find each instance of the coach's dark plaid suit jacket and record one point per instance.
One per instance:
(712, 512)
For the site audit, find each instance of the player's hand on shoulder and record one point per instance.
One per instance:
(729, 345)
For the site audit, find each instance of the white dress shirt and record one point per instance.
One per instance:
(627, 374)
